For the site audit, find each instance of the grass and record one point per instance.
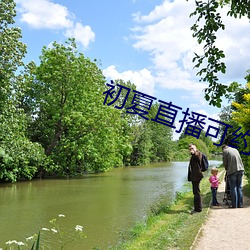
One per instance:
(246, 188)
(170, 226)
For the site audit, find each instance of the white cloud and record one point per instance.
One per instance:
(83, 34)
(143, 79)
(165, 34)
(234, 41)
(44, 14)
(159, 12)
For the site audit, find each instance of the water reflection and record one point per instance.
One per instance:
(105, 204)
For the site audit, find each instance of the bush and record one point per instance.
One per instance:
(201, 146)
(20, 159)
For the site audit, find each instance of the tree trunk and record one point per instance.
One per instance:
(56, 139)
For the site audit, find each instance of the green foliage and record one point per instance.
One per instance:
(11, 50)
(52, 118)
(207, 141)
(183, 144)
(20, 158)
(208, 12)
(161, 137)
(151, 141)
(237, 115)
(226, 117)
(207, 24)
(181, 154)
(67, 115)
(240, 115)
(238, 8)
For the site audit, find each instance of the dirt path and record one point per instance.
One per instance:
(225, 228)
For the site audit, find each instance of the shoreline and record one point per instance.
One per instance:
(172, 227)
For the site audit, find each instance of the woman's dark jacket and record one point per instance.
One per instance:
(194, 169)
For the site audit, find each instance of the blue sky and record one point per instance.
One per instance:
(148, 42)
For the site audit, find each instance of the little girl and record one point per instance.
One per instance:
(214, 185)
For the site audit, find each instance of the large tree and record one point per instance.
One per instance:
(210, 63)
(67, 114)
(19, 158)
(12, 51)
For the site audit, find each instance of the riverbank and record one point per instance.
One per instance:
(171, 227)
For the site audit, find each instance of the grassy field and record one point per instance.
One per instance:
(170, 227)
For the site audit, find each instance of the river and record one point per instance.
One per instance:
(105, 204)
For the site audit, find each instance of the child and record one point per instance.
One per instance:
(214, 185)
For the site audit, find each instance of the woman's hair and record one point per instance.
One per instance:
(214, 170)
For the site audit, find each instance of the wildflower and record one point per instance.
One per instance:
(78, 228)
(20, 243)
(10, 242)
(54, 230)
(29, 238)
(45, 229)
(61, 215)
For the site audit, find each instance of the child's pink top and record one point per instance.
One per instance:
(214, 181)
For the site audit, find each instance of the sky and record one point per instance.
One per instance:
(147, 42)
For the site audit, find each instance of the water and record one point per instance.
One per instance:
(104, 204)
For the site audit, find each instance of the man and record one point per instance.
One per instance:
(235, 170)
(195, 175)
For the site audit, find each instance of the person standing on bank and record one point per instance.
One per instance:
(195, 175)
(214, 181)
(235, 170)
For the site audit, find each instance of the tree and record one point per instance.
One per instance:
(208, 23)
(237, 115)
(206, 139)
(149, 140)
(161, 138)
(67, 114)
(183, 144)
(19, 157)
(237, 99)
(130, 132)
(12, 51)
(241, 114)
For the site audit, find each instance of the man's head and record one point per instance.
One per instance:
(192, 148)
(224, 146)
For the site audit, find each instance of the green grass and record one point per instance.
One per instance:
(246, 188)
(170, 226)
